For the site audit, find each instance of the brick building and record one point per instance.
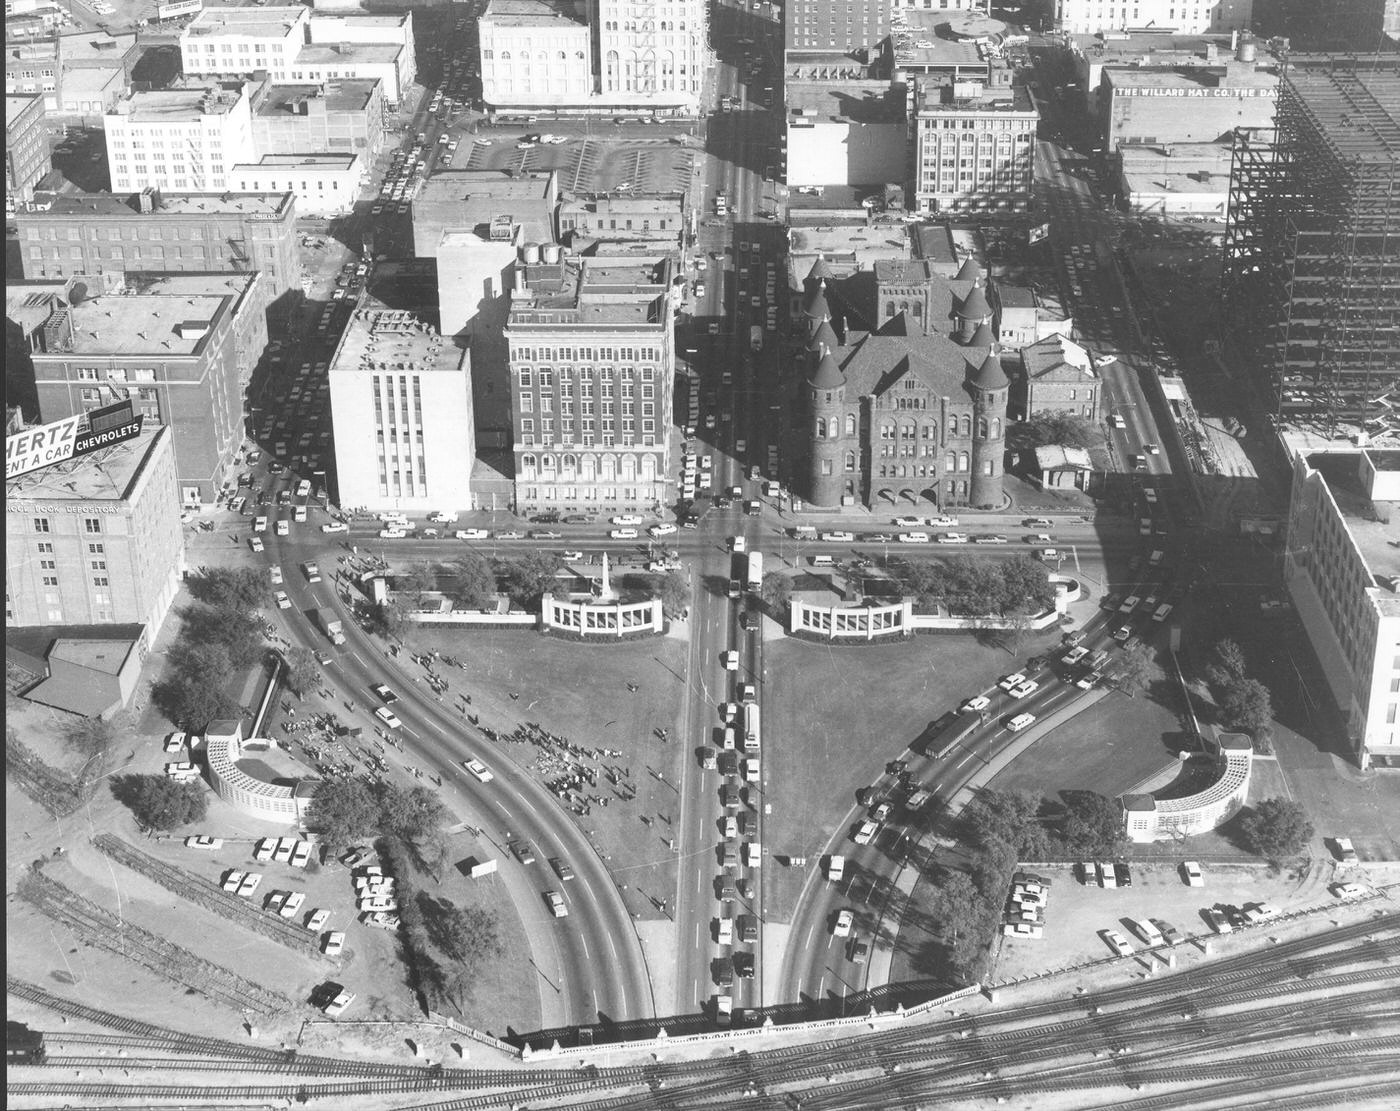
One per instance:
(27, 157)
(181, 346)
(1057, 376)
(334, 117)
(97, 233)
(974, 149)
(96, 540)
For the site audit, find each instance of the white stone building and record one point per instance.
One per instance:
(183, 139)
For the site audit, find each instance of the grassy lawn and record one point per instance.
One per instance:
(580, 692)
(834, 715)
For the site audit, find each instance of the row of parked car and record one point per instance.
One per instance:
(1024, 916)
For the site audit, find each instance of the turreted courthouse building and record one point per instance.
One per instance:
(904, 408)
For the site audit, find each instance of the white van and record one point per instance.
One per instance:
(623, 534)
(823, 561)
(835, 867)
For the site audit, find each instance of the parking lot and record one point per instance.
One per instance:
(590, 158)
(1075, 915)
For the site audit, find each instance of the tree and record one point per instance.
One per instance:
(388, 619)
(1134, 666)
(1276, 829)
(673, 588)
(470, 935)
(527, 578)
(421, 579)
(90, 736)
(239, 631)
(1227, 664)
(1245, 706)
(415, 814)
(343, 811)
(193, 701)
(776, 592)
(239, 588)
(303, 672)
(475, 582)
(1041, 429)
(1092, 825)
(1011, 817)
(160, 803)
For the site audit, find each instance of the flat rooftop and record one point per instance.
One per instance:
(629, 204)
(1118, 45)
(105, 476)
(381, 337)
(171, 204)
(1190, 77)
(15, 103)
(469, 199)
(856, 101)
(531, 13)
(314, 53)
(345, 94)
(169, 315)
(193, 101)
(317, 161)
(1016, 99)
(259, 23)
(617, 291)
(81, 48)
(1373, 537)
(29, 304)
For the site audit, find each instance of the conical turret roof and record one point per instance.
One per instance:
(989, 375)
(984, 336)
(827, 375)
(974, 306)
(968, 272)
(814, 305)
(820, 271)
(823, 336)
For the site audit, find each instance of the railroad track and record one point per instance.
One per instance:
(210, 896)
(105, 930)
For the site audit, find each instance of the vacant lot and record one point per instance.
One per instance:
(589, 164)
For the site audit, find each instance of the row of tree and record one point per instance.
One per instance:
(1244, 702)
(1005, 587)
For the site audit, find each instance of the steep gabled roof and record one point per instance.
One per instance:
(940, 364)
(974, 305)
(827, 375)
(989, 375)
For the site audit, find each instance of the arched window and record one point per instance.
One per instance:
(590, 468)
(850, 460)
(561, 55)
(918, 310)
(821, 428)
(889, 308)
(546, 462)
(982, 427)
(505, 55)
(952, 426)
(527, 465)
(609, 468)
(962, 461)
(850, 424)
(967, 426)
(950, 463)
(996, 428)
(629, 468)
(569, 463)
(648, 468)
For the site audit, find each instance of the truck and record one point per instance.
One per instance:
(330, 624)
(751, 726)
(755, 570)
(755, 337)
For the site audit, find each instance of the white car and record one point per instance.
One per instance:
(913, 538)
(728, 711)
(625, 519)
(233, 881)
(864, 833)
(175, 742)
(730, 659)
(249, 884)
(387, 716)
(340, 1004)
(844, 921)
(292, 904)
(1032, 930)
(283, 602)
(557, 906)
(751, 770)
(1019, 722)
(335, 526)
(975, 705)
(392, 533)
(204, 842)
(1147, 931)
(259, 524)
(622, 534)
(334, 943)
(478, 769)
(952, 538)
(738, 544)
(1020, 690)
(665, 529)
(303, 488)
(838, 537)
(943, 522)
(471, 534)
(724, 932)
(1010, 681)
(1117, 942)
(1074, 655)
(1194, 876)
(908, 522)
(275, 573)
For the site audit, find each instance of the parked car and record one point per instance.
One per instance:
(1219, 920)
(334, 943)
(1117, 942)
(1191, 872)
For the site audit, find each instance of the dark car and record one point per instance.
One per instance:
(575, 519)
(743, 965)
(1123, 874)
(523, 851)
(545, 519)
(722, 970)
(746, 620)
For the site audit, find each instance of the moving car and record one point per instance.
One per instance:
(523, 851)
(557, 905)
(730, 659)
(387, 716)
(1019, 722)
(561, 868)
(385, 693)
(471, 534)
(622, 534)
(1020, 690)
(844, 921)
(478, 769)
(975, 705)
(625, 519)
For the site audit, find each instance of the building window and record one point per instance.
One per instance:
(41, 524)
(92, 524)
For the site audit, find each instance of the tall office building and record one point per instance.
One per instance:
(1312, 247)
(975, 149)
(181, 139)
(1187, 17)
(649, 51)
(592, 361)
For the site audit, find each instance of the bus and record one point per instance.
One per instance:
(755, 570)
